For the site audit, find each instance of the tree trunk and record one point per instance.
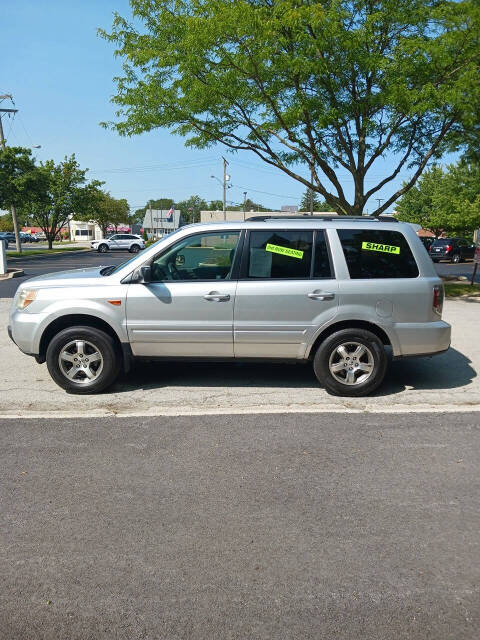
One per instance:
(50, 241)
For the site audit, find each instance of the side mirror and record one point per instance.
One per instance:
(145, 273)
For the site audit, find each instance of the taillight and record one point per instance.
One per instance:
(430, 248)
(438, 299)
(448, 248)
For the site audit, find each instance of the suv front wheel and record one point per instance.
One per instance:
(351, 362)
(83, 360)
(102, 248)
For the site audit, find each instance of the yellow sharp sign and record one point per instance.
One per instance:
(384, 248)
(284, 251)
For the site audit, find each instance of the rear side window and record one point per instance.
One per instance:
(280, 254)
(377, 254)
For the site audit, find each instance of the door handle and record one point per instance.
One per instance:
(321, 295)
(214, 296)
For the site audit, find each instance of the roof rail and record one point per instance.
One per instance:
(306, 216)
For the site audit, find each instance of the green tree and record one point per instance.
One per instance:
(20, 179)
(65, 192)
(107, 211)
(444, 200)
(318, 205)
(6, 222)
(331, 85)
(190, 208)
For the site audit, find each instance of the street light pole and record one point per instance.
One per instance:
(225, 178)
(12, 206)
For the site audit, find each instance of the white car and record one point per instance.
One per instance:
(121, 242)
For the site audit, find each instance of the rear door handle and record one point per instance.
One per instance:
(321, 295)
(214, 296)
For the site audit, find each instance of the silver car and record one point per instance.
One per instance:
(119, 242)
(336, 292)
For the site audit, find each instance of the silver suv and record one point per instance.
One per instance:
(337, 292)
(119, 242)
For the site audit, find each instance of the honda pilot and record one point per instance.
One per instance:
(335, 292)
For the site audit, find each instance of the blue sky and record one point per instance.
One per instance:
(60, 74)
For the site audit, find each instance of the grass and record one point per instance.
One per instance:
(458, 290)
(43, 252)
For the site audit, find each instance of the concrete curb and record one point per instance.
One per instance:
(154, 412)
(11, 273)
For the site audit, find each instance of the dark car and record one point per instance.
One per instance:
(427, 242)
(452, 249)
(8, 236)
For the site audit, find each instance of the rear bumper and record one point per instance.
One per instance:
(422, 339)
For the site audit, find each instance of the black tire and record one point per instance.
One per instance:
(375, 353)
(102, 343)
(135, 248)
(102, 248)
(435, 260)
(456, 258)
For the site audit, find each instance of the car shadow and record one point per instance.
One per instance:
(446, 371)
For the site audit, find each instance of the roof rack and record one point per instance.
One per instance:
(307, 216)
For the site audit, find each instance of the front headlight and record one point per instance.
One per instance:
(26, 297)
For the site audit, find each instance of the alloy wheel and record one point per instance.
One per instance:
(351, 363)
(80, 361)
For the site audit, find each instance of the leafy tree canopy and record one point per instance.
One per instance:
(445, 200)
(19, 177)
(106, 211)
(64, 192)
(332, 85)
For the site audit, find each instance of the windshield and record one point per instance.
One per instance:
(442, 242)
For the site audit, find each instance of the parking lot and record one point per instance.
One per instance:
(240, 501)
(241, 527)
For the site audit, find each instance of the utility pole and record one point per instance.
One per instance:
(379, 200)
(151, 217)
(311, 190)
(225, 178)
(244, 202)
(2, 145)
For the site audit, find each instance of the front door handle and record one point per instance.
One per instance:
(321, 295)
(214, 296)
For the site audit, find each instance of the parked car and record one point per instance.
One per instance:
(4, 239)
(8, 237)
(427, 242)
(453, 249)
(119, 242)
(26, 237)
(333, 292)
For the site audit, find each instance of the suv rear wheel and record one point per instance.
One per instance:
(456, 258)
(135, 248)
(351, 362)
(83, 360)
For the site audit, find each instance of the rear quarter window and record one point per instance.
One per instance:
(377, 253)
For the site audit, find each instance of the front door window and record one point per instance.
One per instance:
(203, 256)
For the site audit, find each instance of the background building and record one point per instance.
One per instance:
(236, 216)
(157, 223)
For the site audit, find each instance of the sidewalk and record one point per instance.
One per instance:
(446, 382)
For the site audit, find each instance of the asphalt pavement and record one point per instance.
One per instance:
(38, 265)
(245, 527)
